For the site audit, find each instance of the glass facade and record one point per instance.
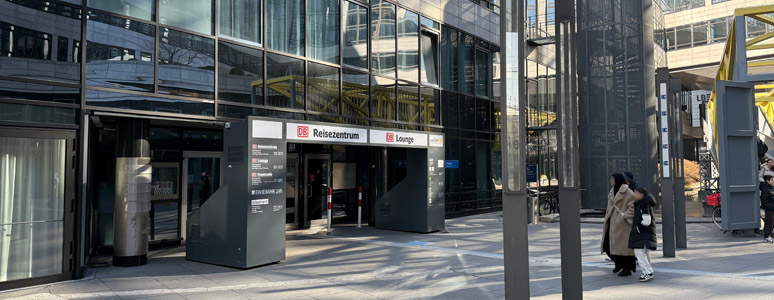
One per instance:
(372, 63)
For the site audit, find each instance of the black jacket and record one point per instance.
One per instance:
(767, 198)
(762, 149)
(643, 236)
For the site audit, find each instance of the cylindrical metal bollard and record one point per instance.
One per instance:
(359, 206)
(330, 218)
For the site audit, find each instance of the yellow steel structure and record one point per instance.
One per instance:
(764, 96)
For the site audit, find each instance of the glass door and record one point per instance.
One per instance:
(165, 201)
(291, 192)
(317, 180)
(201, 178)
(36, 186)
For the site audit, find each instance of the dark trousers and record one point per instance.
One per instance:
(768, 223)
(622, 261)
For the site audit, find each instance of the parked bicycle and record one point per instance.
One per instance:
(714, 200)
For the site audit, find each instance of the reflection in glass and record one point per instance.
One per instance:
(408, 103)
(203, 180)
(429, 63)
(149, 103)
(165, 220)
(383, 98)
(241, 20)
(450, 110)
(40, 92)
(355, 94)
(36, 114)
(467, 58)
(483, 115)
(430, 102)
(323, 91)
(324, 31)
(449, 58)
(355, 35)
(383, 37)
(186, 64)
(286, 81)
(482, 73)
(467, 113)
(37, 49)
(194, 15)
(496, 74)
(239, 68)
(119, 53)
(32, 202)
(285, 26)
(408, 45)
(140, 9)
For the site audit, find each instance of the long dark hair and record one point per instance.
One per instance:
(644, 191)
(619, 181)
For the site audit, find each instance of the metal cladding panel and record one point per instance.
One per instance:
(616, 90)
(738, 155)
(436, 206)
(405, 206)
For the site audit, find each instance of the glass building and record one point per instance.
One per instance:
(71, 70)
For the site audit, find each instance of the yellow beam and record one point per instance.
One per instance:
(761, 47)
(764, 99)
(765, 63)
(759, 39)
(754, 10)
(763, 18)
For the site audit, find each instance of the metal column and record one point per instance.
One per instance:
(667, 184)
(515, 234)
(677, 154)
(131, 213)
(567, 142)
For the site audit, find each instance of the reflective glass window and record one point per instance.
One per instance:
(149, 103)
(467, 63)
(683, 36)
(324, 33)
(286, 81)
(140, 9)
(429, 62)
(285, 26)
(496, 74)
(408, 103)
(40, 92)
(323, 89)
(670, 39)
(241, 20)
(383, 98)
(33, 52)
(383, 35)
(467, 112)
(240, 74)
(355, 35)
(449, 58)
(755, 27)
(194, 15)
(186, 64)
(700, 31)
(355, 94)
(430, 102)
(119, 53)
(408, 45)
(483, 115)
(37, 114)
(451, 110)
(718, 30)
(482, 72)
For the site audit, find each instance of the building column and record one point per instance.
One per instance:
(131, 213)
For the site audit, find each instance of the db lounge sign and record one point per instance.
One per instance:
(323, 133)
(384, 137)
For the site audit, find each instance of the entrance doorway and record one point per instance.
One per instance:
(202, 173)
(317, 179)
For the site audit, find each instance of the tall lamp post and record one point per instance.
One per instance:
(513, 148)
(567, 142)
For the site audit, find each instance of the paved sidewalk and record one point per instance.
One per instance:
(465, 263)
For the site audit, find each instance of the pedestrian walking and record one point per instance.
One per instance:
(643, 235)
(767, 204)
(617, 226)
(762, 150)
(630, 181)
(766, 169)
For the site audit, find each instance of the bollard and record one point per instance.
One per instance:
(330, 218)
(359, 205)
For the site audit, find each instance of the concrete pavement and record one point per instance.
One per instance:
(465, 263)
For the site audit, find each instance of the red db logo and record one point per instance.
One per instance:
(390, 137)
(303, 131)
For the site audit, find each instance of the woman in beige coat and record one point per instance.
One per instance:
(618, 225)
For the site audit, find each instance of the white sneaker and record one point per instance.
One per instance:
(646, 277)
(769, 240)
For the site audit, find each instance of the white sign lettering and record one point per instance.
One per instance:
(323, 133)
(384, 137)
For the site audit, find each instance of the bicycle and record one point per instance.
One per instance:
(717, 217)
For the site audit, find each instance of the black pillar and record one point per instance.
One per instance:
(131, 213)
